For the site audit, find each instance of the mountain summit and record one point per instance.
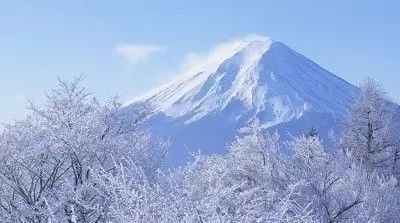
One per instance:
(240, 82)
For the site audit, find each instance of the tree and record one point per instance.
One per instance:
(78, 160)
(368, 128)
(48, 159)
(255, 153)
(339, 189)
(213, 189)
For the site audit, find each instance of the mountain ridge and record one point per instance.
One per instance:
(246, 80)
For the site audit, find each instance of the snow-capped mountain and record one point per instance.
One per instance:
(239, 82)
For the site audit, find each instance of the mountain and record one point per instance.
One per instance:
(239, 82)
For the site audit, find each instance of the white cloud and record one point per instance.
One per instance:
(191, 59)
(135, 53)
(217, 53)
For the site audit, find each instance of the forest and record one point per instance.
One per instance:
(78, 159)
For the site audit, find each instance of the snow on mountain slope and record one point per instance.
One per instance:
(244, 80)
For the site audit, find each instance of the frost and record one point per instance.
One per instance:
(78, 160)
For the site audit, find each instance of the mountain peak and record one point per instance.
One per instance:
(266, 78)
(241, 81)
(250, 45)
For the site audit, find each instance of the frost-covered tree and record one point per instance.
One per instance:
(210, 190)
(339, 189)
(368, 128)
(78, 160)
(255, 155)
(48, 159)
(323, 175)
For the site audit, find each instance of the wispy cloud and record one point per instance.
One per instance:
(217, 53)
(135, 53)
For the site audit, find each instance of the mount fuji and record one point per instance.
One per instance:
(239, 82)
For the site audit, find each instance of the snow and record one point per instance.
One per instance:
(76, 159)
(244, 80)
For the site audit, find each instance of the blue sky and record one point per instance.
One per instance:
(128, 47)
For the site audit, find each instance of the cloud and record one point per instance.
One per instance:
(218, 52)
(191, 59)
(135, 53)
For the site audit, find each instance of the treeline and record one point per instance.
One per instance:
(78, 160)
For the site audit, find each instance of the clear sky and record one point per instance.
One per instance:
(128, 47)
